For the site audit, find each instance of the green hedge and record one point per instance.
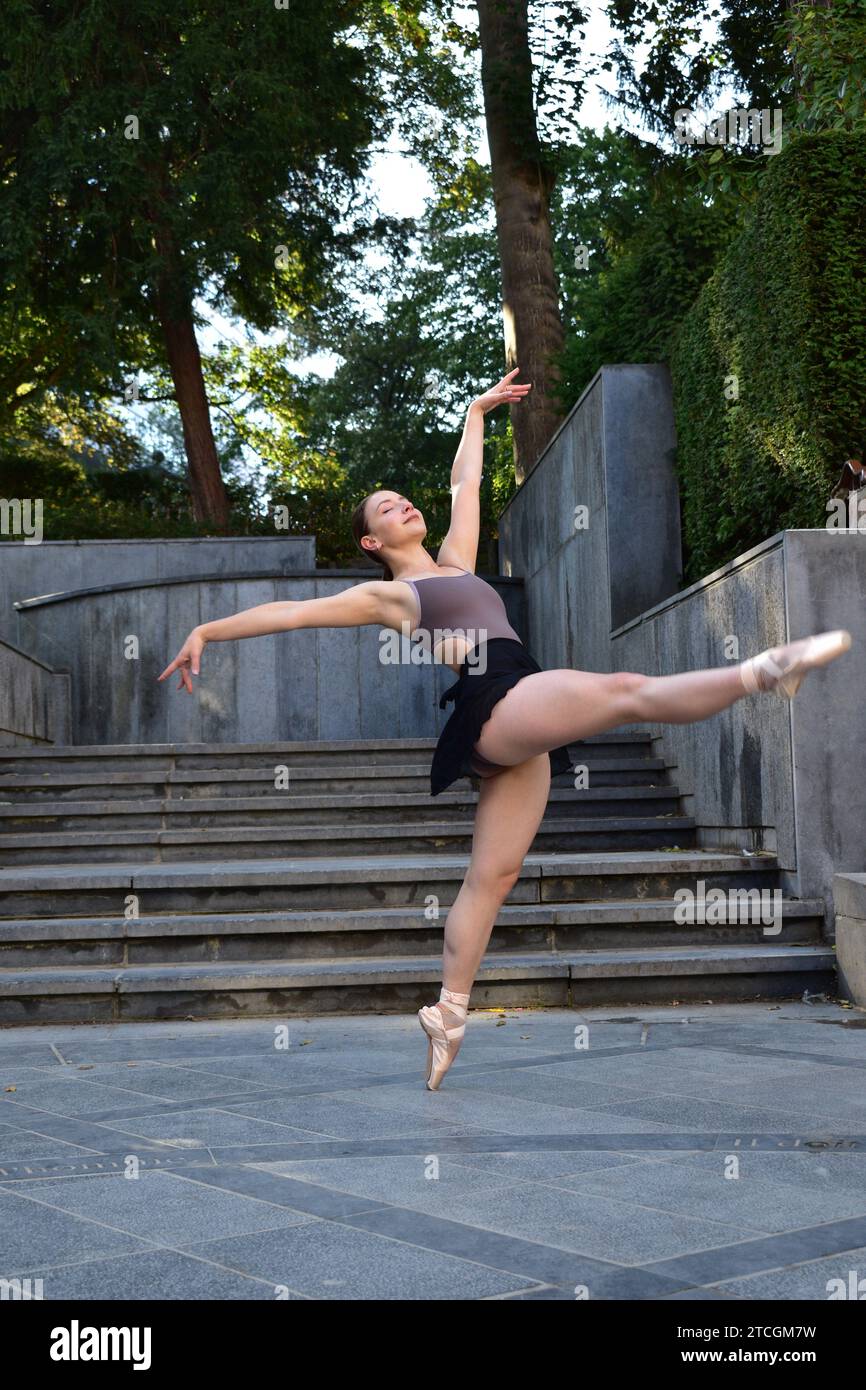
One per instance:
(784, 312)
(110, 503)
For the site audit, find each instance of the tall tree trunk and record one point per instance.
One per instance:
(522, 185)
(210, 503)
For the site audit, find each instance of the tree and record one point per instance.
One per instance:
(690, 50)
(157, 156)
(635, 242)
(522, 186)
(425, 342)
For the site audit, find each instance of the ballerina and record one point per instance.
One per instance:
(512, 722)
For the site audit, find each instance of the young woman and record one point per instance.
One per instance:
(512, 720)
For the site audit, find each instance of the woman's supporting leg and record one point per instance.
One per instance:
(510, 808)
(550, 708)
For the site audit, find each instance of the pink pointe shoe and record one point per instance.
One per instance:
(781, 669)
(444, 1023)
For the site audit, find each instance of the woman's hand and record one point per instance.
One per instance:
(187, 660)
(504, 391)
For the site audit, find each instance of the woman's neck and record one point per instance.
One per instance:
(419, 566)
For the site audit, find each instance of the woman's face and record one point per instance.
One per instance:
(393, 520)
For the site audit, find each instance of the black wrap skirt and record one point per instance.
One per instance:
(474, 694)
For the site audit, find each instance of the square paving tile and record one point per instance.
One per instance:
(154, 1274)
(706, 1191)
(157, 1206)
(327, 1260)
(36, 1235)
(839, 1276)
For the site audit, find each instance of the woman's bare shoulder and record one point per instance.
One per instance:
(394, 600)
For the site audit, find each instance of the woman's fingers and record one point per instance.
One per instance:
(509, 387)
(515, 385)
(506, 390)
(187, 660)
(172, 666)
(185, 681)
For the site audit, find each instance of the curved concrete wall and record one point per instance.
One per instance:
(317, 683)
(53, 567)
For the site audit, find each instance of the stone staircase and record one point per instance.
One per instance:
(214, 881)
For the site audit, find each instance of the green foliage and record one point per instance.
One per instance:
(784, 314)
(652, 242)
(670, 55)
(95, 478)
(415, 341)
(826, 45)
(821, 86)
(151, 156)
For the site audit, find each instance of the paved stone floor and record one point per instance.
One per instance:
(712, 1151)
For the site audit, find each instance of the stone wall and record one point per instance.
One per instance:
(53, 567)
(315, 683)
(34, 700)
(788, 777)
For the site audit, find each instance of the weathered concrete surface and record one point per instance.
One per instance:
(613, 457)
(56, 566)
(825, 587)
(736, 766)
(316, 683)
(34, 700)
(849, 895)
(788, 776)
(766, 773)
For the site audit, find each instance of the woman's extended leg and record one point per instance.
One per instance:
(549, 708)
(544, 710)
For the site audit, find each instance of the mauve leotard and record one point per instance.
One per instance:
(461, 603)
(466, 603)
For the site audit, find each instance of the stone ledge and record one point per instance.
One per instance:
(849, 898)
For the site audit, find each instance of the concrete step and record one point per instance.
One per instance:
(399, 984)
(270, 809)
(393, 931)
(58, 783)
(558, 833)
(320, 754)
(413, 882)
(183, 880)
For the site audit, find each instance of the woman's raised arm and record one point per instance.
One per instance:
(460, 546)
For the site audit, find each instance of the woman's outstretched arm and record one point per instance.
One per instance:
(354, 607)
